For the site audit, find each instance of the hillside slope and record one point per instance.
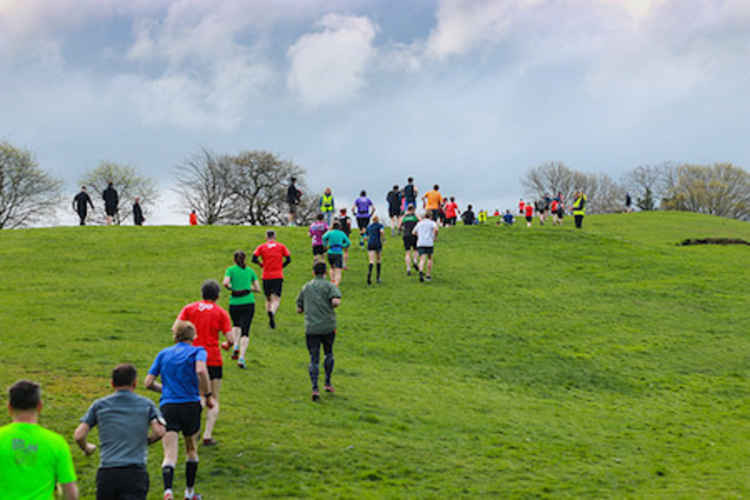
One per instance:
(542, 362)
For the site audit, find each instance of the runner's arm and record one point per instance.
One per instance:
(151, 383)
(70, 490)
(227, 282)
(256, 261)
(80, 435)
(204, 383)
(287, 260)
(255, 286)
(157, 431)
(335, 302)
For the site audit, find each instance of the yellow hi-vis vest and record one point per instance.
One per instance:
(326, 203)
(482, 216)
(579, 206)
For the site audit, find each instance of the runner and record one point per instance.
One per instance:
(529, 212)
(317, 300)
(111, 200)
(338, 243)
(124, 419)
(468, 217)
(375, 233)
(426, 231)
(293, 197)
(81, 202)
(521, 205)
(327, 205)
(432, 201)
(451, 212)
(209, 319)
(539, 209)
(508, 218)
(408, 222)
(193, 218)
(394, 199)
(242, 282)
(32, 458)
(345, 225)
(184, 377)
(363, 210)
(317, 230)
(410, 193)
(274, 257)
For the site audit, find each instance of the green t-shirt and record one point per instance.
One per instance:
(241, 279)
(32, 460)
(315, 301)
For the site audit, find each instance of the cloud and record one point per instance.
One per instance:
(329, 65)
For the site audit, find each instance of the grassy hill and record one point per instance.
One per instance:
(542, 362)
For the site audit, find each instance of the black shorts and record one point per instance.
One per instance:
(292, 208)
(363, 222)
(182, 417)
(314, 342)
(129, 482)
(394, 212)
(378, 247)
(528, 218)
(435, 214)
(215, 372)
(273, 287)
(425, 250)
(451, 221)
(242, 317)
(336, 260)
(319, 249)
(110, 210)
(410, 242)
(560, 214)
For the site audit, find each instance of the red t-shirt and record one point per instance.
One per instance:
(209, 319)
(450, 209)
(553, 205)
(529, 210)
(520, 206)
(193, 219)
(272, 255)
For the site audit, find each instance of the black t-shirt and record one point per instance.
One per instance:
(394, 200)
(408, 223)
(468, 217)
(409, 193)
(292, 194)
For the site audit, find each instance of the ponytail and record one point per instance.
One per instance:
(239, 258)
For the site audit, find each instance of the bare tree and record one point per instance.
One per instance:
(28, 194)
(722, 189)
(604, 194)
(128, 183)
(648, 183)
(204, 185)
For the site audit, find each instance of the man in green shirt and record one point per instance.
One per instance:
(317, 300)
(33, 459)
(337, 242)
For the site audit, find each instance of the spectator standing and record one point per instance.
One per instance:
(111, 200)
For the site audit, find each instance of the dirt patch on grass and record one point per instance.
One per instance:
(714, 241)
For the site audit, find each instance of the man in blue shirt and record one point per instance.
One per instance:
(124, 419)
(508, 218)
(184, 377)
(374, 246)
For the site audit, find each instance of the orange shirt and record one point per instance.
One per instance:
(434, 199)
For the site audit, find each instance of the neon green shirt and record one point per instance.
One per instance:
(32, 460)
(241, 279)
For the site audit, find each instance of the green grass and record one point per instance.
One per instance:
(540, 363)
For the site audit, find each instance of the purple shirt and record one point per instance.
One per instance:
(317, 229)
(363, 206)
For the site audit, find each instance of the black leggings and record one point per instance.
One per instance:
(579, 220)
(242, 317)
(313, 346)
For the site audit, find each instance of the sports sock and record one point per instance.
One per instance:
(369, 271)
(378, 266)
(191, 469)
(167, 474)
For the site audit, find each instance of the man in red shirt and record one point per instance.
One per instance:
(209, 319)
(451, 212)
(529, 209)
(273, 257)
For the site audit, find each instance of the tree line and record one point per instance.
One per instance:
(250, 188)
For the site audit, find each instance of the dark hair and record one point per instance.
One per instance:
(294, 179)
(435, 187)
(410, 179)
(124, 375)
(24, 395)
(469, 207)
(336, 225)
(239, 258)
(452, 198)
(319, 268)
(363, 193)
(270, 233)
(428, 215)
(395, 187)
(210, 290)
(319, 216)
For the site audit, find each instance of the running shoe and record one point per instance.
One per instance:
(236, 354)
(329, 388)
(196, 496)
(421, 277)
(271, 321)
(168, 495)
(379, 281)
(315, 395)
(210, 442)
(428, 278)
(241, 363)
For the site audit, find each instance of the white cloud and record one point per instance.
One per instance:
(329, 65)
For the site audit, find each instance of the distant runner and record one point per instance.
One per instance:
(111, 200)
(317, 230)
(408, 222)
(426, 231)
(521, 206)
(345, 225)
(273, 257)
(317, 300)
(375, 233)
(468, 216)
(529, 212)
(394, 199)
(451, 212)
(508, 218)
(337, 242)
(410, 193)
(432, 201)
(242, 282)
(193, 218)
(363, 210)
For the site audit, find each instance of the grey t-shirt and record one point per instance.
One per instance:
(315, 300)
(124, 419)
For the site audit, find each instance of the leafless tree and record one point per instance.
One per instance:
(128, 183)
(722, 189)
(204, 185)
(28, 195)
(648, 183)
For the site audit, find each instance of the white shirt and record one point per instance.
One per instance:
(425, 230)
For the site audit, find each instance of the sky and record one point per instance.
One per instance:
(468, 94)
